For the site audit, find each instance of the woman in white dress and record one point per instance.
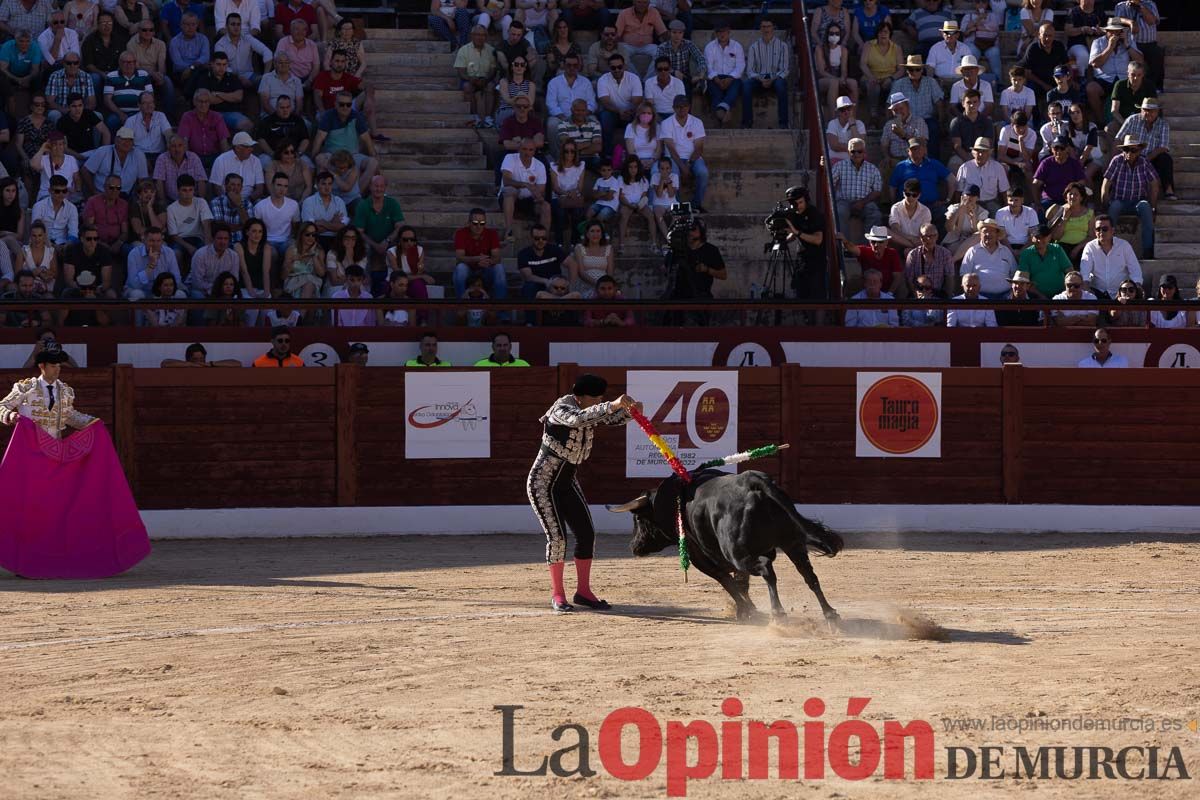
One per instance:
(590, 260)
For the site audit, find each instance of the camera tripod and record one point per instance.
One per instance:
(780, 275)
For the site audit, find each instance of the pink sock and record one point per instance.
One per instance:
(583, 575)
(556, 581)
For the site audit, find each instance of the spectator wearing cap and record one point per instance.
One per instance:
(932, 175)
(86, 290)
(59, 217)
(67, 82)
(726, 61)
(990, 261)
(150, 127)
(84, 129)
(1045, 262)
(946, 56)
(842, 129)
(901, 128)
(1109, 59)
(1064, 94)
(967, 128)
(1108, 260)
(988, 175)
(1043, 55)
(908, 215)
(969, 317)
(1074, 292)
(1018, 293)
(962, 222)
(925, 95)
(120, 158)
(1168, 292)
(877, 256)
(1056, 172)
(1102, 356)
(872, 318)
(20, 59)
(108, 211)
(683, 135)
(1128, 94)
(242, 161)
(1131, 184)
(359, 354)
(767, 64)
(687, 62)
(52, 159)
(971, 82)
(637, 27)
(280, 354)
(1152, 129)
(1017, 219)
(831, 63)
(1144, 18)
(150, 53)
(87, 258)
(857, 186)
(923, 289)
(929, 261)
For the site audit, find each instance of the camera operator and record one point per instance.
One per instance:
(694, 271)
(807, 225)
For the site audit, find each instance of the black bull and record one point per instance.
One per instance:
(733, 524)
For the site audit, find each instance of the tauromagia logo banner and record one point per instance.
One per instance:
(899, 414)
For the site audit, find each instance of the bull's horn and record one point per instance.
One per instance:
(632, 505)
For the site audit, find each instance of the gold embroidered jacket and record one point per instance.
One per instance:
(28, 398)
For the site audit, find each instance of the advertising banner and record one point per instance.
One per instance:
(447, 414)
(899, 414)
(695, 412)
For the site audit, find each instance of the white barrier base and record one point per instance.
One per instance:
(448, 520)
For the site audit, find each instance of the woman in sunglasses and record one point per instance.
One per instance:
(1128, 292)
(1168, 292)
(300, 175)
(513, 85)
(409, 257)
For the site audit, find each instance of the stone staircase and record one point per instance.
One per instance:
(438, 167)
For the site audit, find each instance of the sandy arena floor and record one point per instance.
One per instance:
(364, 668)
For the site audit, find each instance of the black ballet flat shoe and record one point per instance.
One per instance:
(562, 607)
(595, 605)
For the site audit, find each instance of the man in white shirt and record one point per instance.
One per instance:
(241, 49)
(988, 175)
(620, 93)
(663, 88)
(60, 217)
(726, 64)
(970, 318)
(279, 214)
(242, 161)
(991, 262)
(1108, 261)
(57, 40)
(872, 290)
(908, 216)
(1103, 357)
(524, 179)
(945, 56)
(249, 11)
(354, 289)
(325, 210)
(683, 136)
(1073, 291)
(189, 220)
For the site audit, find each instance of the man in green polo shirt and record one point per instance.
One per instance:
(428, 356)
(501, 355)
(380, 218)
(1046, 262)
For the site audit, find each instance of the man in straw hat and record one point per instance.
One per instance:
(991, 261)
(858, 184)
(1152, 130)
(1131, 186)
(902, 126)
(1018, 293)
(989, 175)
(946, 55)
(553, 487)
(1109, 58)
(876, 255)
(924, 94)
(970, 70)
(1045, 262)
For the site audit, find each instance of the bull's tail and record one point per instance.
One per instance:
(818, 537)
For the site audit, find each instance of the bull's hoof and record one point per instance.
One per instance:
(779, 617)
(832, 615)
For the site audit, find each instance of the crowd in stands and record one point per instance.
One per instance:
(228, 151)
(990, 182)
